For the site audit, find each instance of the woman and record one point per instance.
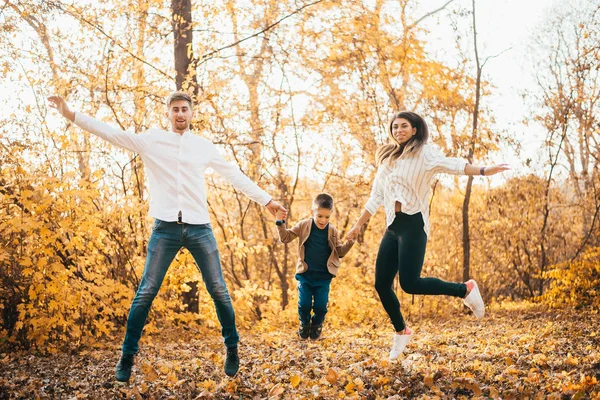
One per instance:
(406, 171)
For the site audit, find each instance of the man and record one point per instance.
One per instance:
(175, 164)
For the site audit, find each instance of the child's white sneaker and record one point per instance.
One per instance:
(474, 300)
(400, 342)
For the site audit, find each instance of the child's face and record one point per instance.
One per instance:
(321, 217)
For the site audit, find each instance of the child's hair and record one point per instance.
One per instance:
(323, 200)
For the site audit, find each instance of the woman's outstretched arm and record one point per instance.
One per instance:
(485, 170)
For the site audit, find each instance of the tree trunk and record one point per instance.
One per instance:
(466, 237)
(186, 81)
(183, 47)
(467, 200)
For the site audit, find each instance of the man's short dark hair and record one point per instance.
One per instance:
(323, 200)
(175, 96)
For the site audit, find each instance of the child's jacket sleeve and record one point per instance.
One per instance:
(342, 248)
(287, 235)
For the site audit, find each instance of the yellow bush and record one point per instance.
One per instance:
(575, 283)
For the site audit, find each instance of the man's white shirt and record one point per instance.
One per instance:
(175, 167)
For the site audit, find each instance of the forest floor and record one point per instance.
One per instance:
(510, 354)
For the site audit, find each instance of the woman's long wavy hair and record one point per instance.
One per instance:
(391, 152)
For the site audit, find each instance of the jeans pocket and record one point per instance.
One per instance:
(157, 225)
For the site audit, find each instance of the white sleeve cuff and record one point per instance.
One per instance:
(371, 207)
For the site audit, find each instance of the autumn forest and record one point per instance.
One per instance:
(299, 95)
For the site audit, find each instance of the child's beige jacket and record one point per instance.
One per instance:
(301, 231)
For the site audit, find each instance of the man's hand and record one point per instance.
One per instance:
(62, 107)
(276, 209)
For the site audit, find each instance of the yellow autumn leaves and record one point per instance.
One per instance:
(332, 377)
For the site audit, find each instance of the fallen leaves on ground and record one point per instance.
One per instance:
(509, 354)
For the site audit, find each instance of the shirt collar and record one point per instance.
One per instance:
(183, 134)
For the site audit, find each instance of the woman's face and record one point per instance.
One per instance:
(402, 130)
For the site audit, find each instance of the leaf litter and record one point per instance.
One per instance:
(510, 354)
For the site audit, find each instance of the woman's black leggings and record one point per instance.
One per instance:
(402, 251)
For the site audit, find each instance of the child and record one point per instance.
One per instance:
(319, 251)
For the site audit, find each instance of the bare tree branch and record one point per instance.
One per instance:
(429, 14)
(77, 15)
(206, 56)
(589, 234)
(494, 56)
(3, 7)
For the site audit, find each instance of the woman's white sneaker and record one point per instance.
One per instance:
(474, 301)
(400, 342)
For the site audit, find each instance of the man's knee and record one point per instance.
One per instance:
(218, 291)
(146, 294)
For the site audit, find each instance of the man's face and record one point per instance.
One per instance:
(179, 115)
(321, 217)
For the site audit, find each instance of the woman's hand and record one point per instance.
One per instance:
(352, 234)
(496, 169)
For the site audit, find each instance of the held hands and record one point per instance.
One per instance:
(276, 209)
(280, 215)
(352, 234)
(62, 107)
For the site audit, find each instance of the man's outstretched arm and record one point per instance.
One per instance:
(126, 140)
(241, 182)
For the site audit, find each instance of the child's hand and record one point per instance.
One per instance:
(274, 207)
(280, 215)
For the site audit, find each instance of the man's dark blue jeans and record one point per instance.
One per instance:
(166, 240)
